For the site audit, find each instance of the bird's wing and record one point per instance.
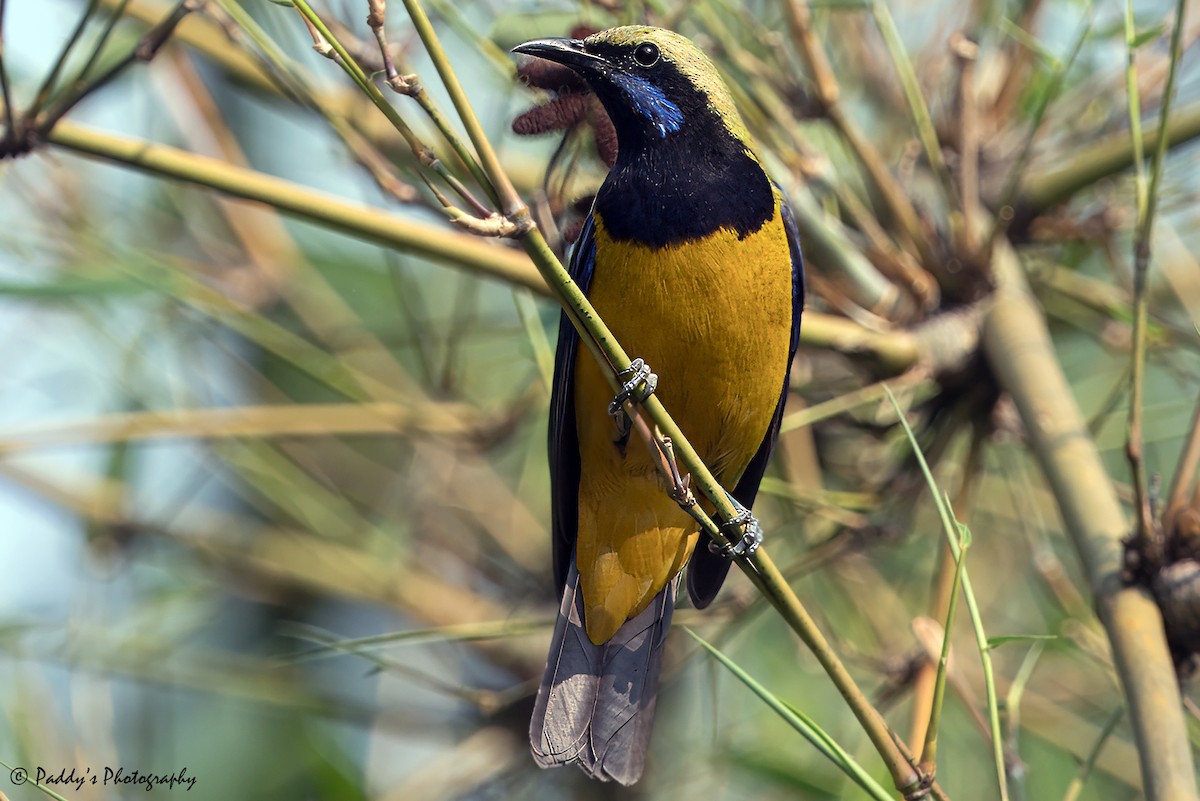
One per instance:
(564, 438)
(706, 570)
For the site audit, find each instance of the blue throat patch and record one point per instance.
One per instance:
(650, 102)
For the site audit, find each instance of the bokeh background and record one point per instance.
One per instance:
(274, 500)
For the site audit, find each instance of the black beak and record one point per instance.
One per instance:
(568, 52)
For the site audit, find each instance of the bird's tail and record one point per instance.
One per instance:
(596, 703)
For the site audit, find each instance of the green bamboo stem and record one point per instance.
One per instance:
(989, 678)
(1134, 444)
(511, 204)
(957, 539)
(928, 757)
(461, 250)
(1147, 533)
(895, 351)
(1135, 110)
(1018, 347)
(423, 153)
(1108, 156)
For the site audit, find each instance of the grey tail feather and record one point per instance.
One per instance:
(595, 707)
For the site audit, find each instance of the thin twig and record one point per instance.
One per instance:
(1004, 205)
(966, 52)
(113, 19)
(1015, 769)
(10, 129)
(1185, 473)
(294, 84)
(47, 86)
(423, 153)
(912, 93)
(1089, 762)
(410, 85)
(376, 21)
(1147, 534)
(144, 51)
(510, 202)
(827, 94)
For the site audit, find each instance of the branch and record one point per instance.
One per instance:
(1109, 156)
(1148, 535)
(1018, 346)
(461, 250)
(898, 204)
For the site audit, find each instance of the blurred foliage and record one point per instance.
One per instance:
(274, 500)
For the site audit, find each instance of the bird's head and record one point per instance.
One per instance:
(653, 83)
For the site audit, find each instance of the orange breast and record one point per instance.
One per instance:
(713, 319)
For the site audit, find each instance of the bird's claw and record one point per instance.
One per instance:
(744, 526)
(640, 386)
(681, 485)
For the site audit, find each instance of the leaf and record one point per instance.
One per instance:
(1148, 35)
(995, 642)
(802, 723)
(70, 287)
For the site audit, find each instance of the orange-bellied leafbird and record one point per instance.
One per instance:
(690, 255)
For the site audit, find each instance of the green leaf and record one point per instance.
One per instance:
(995, 642)
(802, 723)
(964, 535)
(1148, 35)
(70, 287)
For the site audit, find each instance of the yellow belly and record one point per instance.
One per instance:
(713, 319)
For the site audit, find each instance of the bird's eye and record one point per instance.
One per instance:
(646, 54)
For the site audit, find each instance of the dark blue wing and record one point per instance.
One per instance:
(706, 570)
(564, 437)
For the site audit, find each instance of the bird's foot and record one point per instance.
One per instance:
(743, 531)
(640, 385)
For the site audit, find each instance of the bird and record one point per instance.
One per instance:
(690, 255)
